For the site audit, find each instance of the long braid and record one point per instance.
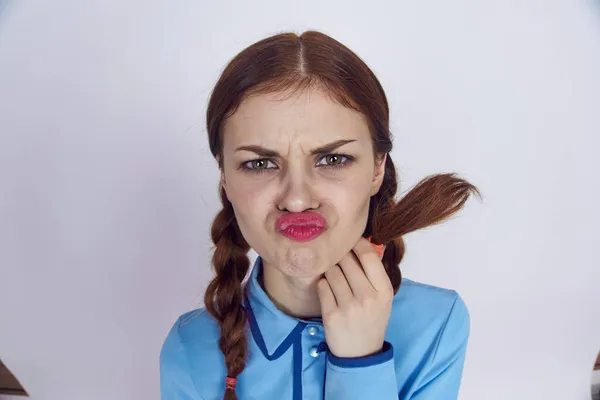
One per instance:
(432, 201)
(224, 295)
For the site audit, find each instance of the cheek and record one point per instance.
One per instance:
(353, 188)
(351, 210)
(246, 196)
(351, 201)
(250, 204)
(354, 210)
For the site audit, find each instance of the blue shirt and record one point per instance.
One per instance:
(288, 358)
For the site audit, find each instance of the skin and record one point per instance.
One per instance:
(338, 275)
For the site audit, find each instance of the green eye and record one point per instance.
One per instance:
(333, 159)
(259, 164)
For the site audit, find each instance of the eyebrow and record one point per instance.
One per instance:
(264, 152)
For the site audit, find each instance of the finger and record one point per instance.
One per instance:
(356, 277)
(339, 285)
(326, 297)
(371, 263)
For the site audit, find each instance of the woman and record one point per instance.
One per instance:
(299, 127)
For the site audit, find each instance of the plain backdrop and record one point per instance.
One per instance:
(108, 190)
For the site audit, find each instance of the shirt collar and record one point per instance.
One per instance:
(272, 329)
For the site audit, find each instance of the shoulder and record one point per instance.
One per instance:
(425, 315)
(430, 301)
(190, 358)
(192, 341)
(197, 325)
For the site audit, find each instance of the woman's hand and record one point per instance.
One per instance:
(356, 301)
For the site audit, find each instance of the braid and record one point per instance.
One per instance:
(224, 295)
(381, 203)
(430, 202)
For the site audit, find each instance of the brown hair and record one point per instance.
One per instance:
(287, 63)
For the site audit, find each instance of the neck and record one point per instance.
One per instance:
(297, 297)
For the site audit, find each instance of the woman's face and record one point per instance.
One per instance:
(280, 175)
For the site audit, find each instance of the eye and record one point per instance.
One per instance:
(257, 166)
(335, 160)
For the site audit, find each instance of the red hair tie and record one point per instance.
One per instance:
(379, 248)
(230, 383)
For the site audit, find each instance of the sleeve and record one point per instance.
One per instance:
(375, 376)
(175, 380)
(442, 380)
(362, 378)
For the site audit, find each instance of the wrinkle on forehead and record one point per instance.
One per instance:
(304, 120)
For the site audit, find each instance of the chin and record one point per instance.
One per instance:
(303, 262)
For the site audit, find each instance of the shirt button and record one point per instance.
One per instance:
(314, 351)
(312, 330)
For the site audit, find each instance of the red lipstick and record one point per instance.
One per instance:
(302, 226)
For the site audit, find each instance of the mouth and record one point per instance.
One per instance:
(301, 227)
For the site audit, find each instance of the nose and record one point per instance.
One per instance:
(297, 192)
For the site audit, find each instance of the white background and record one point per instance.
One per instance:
(107, 188)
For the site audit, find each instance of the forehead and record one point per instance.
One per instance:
(308, 115)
